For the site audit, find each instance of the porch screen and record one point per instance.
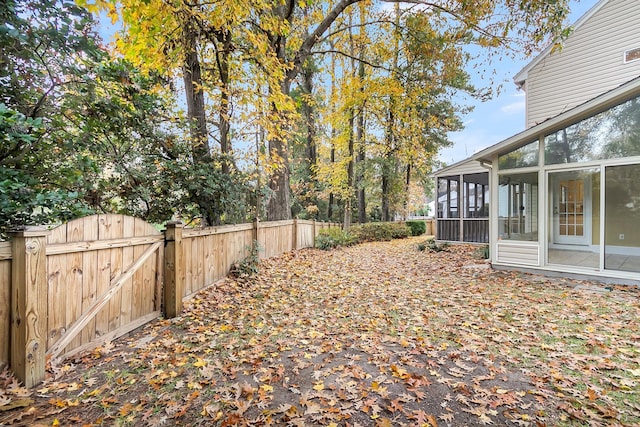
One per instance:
(518, 207)
(448, 197)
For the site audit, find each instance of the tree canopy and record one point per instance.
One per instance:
(219, 111)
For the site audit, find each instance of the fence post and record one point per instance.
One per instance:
(173, 269)
(29, 305)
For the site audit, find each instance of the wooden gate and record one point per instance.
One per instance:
(104, 279)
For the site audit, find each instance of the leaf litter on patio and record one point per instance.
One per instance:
(377, 334)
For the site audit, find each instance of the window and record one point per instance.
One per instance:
(612, 134)
(518, 207)
(632, 55)
(622, 212)
(522, 157)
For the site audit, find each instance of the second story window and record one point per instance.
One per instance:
(632, 55)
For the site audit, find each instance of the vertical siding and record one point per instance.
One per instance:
(589, 64)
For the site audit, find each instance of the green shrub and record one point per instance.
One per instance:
(418, 228)
(379, 231)
(482, 252)
(432, 246)
(399, 230)
(332, 238)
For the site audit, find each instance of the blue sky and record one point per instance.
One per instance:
(493, 121)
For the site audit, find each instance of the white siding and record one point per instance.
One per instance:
(590, 63)
(518, 253)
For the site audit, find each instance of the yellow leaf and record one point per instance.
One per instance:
(319, 386)
(266, 388)
(200, 363)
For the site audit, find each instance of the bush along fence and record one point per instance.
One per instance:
(94, 279)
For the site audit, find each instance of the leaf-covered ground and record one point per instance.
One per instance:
(378, 334)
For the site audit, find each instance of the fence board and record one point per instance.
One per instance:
(89, 277)
(188, 265)
(276, 237)
(127, 293)
(5, 310)
(209, 231)
(305, 234)
(56, 298)
(115, 229)
(57, 235)
(103, 276)
(5, 251)
(197, 253)
(75, 232)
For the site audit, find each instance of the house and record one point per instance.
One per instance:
(564, 195)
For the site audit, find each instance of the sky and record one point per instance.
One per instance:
(504, 116)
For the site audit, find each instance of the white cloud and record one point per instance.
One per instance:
(514, 108)
(518, 106)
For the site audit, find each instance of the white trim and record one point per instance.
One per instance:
(622, 250)
(624, 55)
(564, 269)
(602, 229)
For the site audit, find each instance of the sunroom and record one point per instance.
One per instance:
(565, 194)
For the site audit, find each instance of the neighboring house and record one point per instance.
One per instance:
(565, 193)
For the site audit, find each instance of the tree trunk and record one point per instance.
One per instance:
(279, 205)
(385, 194)
(362, 206)
(309, 116)
(386, 165)
(192, 76)
(222, 57)
(276, 210)
(333, 160)
(350, 175)
(407, 184)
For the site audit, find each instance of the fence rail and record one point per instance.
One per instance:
(97, 278)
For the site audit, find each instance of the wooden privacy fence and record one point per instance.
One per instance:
(96, 278)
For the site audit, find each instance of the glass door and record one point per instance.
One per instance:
(570, 208)
(574, 206)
